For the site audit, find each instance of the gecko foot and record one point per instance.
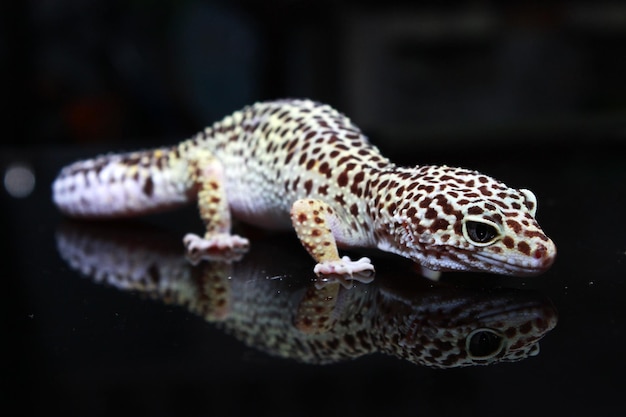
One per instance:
(344, 271)
(217, 246)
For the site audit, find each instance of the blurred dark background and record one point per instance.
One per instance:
(533, 94)
(151, 72)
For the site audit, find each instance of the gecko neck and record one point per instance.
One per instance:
(394, 192)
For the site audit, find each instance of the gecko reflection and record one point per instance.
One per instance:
(272, 306)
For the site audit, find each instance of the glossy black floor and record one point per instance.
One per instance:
(84, 343)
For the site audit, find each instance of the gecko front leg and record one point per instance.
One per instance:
(318, 229)
(206, 174)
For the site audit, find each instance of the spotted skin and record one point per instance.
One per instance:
(297, 164)
(433, 325)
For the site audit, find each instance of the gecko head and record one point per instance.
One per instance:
(467, 221)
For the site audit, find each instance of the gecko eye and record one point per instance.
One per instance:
(484, 343)
(480, 233)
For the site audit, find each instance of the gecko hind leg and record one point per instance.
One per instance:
(206, 174)
(317, 227)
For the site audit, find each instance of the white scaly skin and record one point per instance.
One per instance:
(299, 164)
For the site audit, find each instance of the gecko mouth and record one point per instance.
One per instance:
(459, 259)
(528, 266)
(537, 264)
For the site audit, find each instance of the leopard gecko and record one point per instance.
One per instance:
(299, 164)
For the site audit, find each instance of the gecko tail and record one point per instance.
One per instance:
(123, 185)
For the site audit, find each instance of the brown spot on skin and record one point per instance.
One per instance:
(411, 212)
(524, 248)
(392, 208)
(342, 180)
(458, 228)
(485, 191)
(358, 177)
(475, 210)
(508, 242)
(535, 234)
(302, 218)
(431, 213)
(439, 224)
(412, 186)
(445, 205)
(339, 199)
(514, 225)
(323, 190)
(310, 164)
(354, 210)
(425, 202)
(324, 169)
(504, 206)
(148, 187)
(308, 185)
(343, 160)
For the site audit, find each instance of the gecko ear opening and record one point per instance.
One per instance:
(530, 201)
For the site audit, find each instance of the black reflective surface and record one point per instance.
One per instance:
(110, 319)
(281, 308)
